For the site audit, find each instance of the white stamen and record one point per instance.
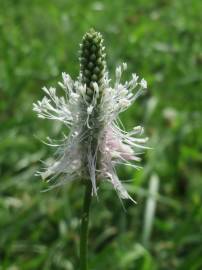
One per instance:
(143, 84)
(90, 109)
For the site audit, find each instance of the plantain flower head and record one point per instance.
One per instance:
(95, 143)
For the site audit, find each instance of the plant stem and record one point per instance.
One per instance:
(84, 227)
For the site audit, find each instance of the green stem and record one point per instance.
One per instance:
(84, 228)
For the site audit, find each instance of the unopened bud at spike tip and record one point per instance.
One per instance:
(92, 60)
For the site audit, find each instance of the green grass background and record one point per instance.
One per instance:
(161, 41)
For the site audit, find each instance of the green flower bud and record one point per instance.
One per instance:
(92, 61)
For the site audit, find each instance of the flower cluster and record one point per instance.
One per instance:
(90, 109)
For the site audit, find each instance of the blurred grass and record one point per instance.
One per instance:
(161, 41)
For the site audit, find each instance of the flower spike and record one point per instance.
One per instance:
(90, 108)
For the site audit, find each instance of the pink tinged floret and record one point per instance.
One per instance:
(116, 148)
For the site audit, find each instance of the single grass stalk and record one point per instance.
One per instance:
(150, 209)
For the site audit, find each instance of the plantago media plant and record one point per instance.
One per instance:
(90, 109)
